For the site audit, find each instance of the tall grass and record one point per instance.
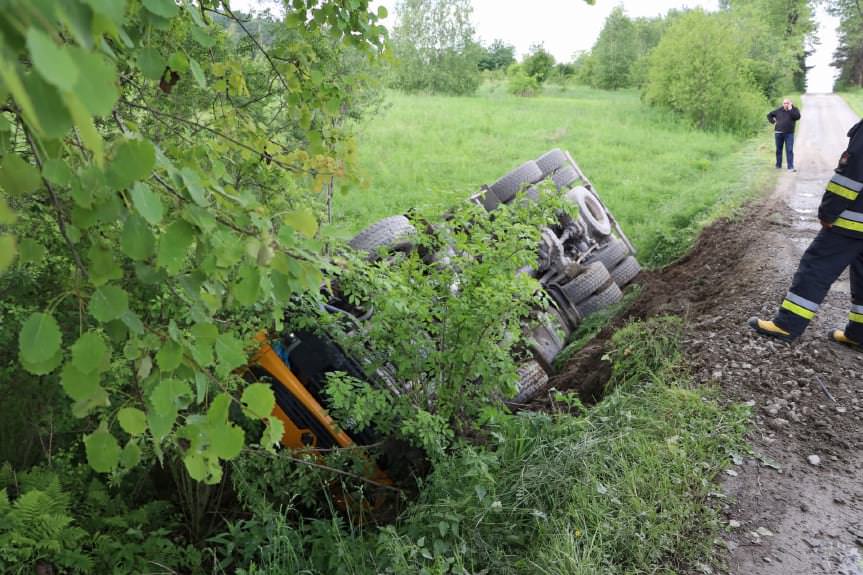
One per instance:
(661, 178)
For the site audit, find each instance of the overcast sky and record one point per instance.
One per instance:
(569, 26)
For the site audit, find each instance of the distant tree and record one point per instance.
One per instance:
(775, 34)
(848, 57)
(616, 49)
(434, 46)
(695, 71)
(539, 63)
(497, 56)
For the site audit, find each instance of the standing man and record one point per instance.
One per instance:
(837, 246)
(784, 119)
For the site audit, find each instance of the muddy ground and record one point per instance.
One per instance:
(795, 506)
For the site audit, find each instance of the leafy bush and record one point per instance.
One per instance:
(696, 71)
(520, 83)
(449, 332)
(538, 63)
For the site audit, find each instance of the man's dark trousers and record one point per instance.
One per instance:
(824, 261)
(786, 139)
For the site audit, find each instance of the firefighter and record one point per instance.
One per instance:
(837, 246)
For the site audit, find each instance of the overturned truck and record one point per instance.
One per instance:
(582, 264)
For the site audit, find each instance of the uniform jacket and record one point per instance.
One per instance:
(842, 204)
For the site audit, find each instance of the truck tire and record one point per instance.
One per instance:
(550, 161)
(604, 298)
(626, 271)
(564, 177)
(508, 186)
(590, 209)
(586, 283)
(531, 380)
(395, 233)
(611, 254)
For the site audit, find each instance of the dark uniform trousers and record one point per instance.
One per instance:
(834, 249)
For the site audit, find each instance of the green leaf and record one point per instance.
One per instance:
(103, 268)
(227, 440)
(43, 367)
(198, 73)
(86, 128)
(77, 384)
(174, 244)
(132, 420)
(18, 177)
(133, 160)
(7, 216)
(51, 61)
(229, 351)
(170, 356)
(57, 172)
(112, 9)
(103, 451)
(196, 466)
(97, 83)
(147, 203)
(178, 62)
(248, 286)
(137, 240)
(108, 303)
(219, 408)
(258, 401)
(130, 456)
(90, 354)
(169, 396)
(273, 433)
(194, 187)
(204, 37)
(205, 335)
(382, 12)
(31, 251)
(84, 407)
(303, 221)
(12, 82)
(163, 8)
(39, 338)
(151, 63)
(8, 251)
(161, 423)
(49, 106)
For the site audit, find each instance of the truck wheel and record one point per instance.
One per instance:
(626, 271)
(395, 233)
(590, 209)
(550, 161)
(531, 380)
(508, 186)
(608, 296)
(586, 283)
(564, 177)
(611, 254)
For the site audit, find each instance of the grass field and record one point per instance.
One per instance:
(661, 179)
(854, 99)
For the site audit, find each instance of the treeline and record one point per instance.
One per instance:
(848, 57)
(720, 70)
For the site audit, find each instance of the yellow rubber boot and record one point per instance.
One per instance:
(839, 336)
(769, 329)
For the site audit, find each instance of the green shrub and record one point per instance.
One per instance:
(519, 83)
(699, 71)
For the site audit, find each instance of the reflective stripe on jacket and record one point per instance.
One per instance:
(842, 204)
